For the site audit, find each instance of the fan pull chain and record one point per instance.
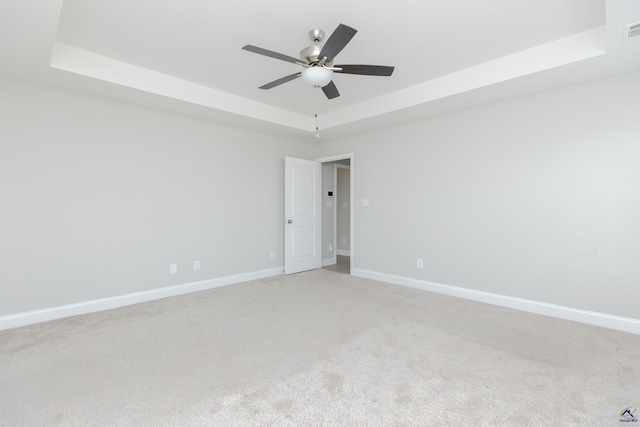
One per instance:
(316, 125)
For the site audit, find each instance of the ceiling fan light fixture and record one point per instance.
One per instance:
(317, 76)
(317, 61)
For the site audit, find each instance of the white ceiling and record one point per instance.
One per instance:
(186, 55)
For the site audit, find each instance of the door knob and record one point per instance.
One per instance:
(289, 221)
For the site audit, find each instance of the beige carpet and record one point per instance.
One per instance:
(316, 348)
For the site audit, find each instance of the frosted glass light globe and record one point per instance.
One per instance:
(317, 76)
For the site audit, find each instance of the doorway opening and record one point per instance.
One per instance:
(337, 213)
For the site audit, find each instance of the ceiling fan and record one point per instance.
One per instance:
(317, 61)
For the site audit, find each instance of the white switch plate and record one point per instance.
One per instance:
(196, 265)
(173, 268)
(365, 202)
(420, 263)
(273, 254)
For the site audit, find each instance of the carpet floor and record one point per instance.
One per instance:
(316, 348)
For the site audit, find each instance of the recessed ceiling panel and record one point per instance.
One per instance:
(200, 41)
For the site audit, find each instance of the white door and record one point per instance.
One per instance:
(303, 223)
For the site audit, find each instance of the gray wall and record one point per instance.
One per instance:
(536, 197)
(99, 197)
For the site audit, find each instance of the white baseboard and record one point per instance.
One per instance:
(44, 315)
(343, 252)
(604, 320)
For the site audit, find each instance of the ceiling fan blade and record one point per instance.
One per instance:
(365, 70)
(280, 81)
(331, 90)
(271, 54)
(337, 41)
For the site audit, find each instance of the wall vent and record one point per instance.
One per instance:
(631, 32)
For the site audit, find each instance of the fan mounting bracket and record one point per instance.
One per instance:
(316, 35)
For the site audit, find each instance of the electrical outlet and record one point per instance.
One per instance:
(196, 265)
(420, 263)
(272, 254)
(173, 268)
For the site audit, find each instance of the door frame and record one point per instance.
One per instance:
(335, 207)
(350, 157)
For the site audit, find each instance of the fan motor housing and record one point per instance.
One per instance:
(311, 55)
